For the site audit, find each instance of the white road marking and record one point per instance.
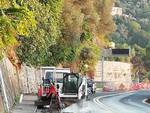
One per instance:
(99, 103)
(35, 110)
(144, 101)
(21, 97)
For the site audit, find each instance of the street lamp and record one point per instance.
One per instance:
(112, 45)
(86, 67)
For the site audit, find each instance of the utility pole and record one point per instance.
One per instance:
(102, 77)
(109, 53)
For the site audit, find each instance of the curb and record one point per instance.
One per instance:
(144, 101)
(35, 110)
(21, 98)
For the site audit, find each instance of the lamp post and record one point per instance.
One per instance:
(86, 67)
(102, 77)
(105, 53)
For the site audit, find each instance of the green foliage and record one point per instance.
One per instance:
(133, 29)
(53, 32)
(106, 24)
(14, 21)
(148, 50)
(139, 51)
(134, 26)
(7, 32)
(63, 28)
(146, 58)
(88, 54)
(36, 50)
(148, 75)
(61, 53)
(84, 21)
(86, 35)
(5, 3)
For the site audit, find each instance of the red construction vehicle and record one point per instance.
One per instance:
(68, 87)
(48, 91)
(48, 95)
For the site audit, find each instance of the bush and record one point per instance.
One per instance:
(148, 75)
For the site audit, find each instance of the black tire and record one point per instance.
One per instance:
(40, 106)
(83, 96)
(54, 105)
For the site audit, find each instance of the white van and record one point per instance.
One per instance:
(55, 74)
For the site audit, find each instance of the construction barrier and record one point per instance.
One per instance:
(122, 87)
(138, 86)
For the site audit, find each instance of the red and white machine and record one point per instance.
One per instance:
(60, 86)
(48, 91)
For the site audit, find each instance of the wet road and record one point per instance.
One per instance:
(113, 103)
(128, 103)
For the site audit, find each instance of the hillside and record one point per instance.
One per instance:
(133, 30)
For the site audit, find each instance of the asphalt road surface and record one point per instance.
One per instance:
(113, 103)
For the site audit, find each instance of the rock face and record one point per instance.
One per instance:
(117, 75)
(1, 104)
(10, 90)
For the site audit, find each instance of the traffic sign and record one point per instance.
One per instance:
(120, 52)
(115, 52)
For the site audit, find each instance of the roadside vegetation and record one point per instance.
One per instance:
(55, 32)
(133, 30)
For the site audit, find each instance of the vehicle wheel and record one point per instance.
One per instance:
(40, 106)
(83, 96)
(94, 92)
(54, 104)
(87, 97)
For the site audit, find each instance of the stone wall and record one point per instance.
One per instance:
(24, 81)
(9, 84)
(30, 79)
(1, 104)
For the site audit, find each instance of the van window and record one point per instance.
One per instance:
(49, 75)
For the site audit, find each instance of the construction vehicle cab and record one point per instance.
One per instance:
(74, 87)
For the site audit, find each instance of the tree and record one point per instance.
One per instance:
(88, 54)
(86, 21)
(14, 20)
(134, 26)
(64, 30)
(147, 57)
(35, 49)
(148, 75)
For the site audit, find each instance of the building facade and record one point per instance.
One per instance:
(117, 11)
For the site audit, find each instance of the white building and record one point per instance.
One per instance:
(116, 11)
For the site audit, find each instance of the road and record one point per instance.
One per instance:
(114, 103)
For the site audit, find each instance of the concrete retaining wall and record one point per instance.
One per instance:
(117, 75)
(30, 78)
(14, 83)
(9, 84)
(1, 104)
